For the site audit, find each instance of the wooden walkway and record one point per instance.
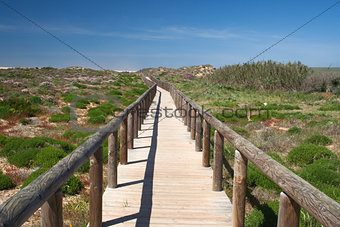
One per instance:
(164, 183)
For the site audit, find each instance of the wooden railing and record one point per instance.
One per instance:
(45, 191)
(296, 191)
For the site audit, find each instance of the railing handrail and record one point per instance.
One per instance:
(319, 205)
(18, 208)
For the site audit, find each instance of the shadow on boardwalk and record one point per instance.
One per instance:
(144, 214)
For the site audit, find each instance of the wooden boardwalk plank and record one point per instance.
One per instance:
(163, 183)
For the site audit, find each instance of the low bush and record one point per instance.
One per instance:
(96, 120)
(319, 140)
(24, 158)
(5, 182)
(82, 103)
(35, 100)
(18, 107)
(275, 106)
(68, 97)
(3, 140)
(307, 154)
(114, 92)
(12, 146)
(66, 109)
(264, 215)
(331, 107)
(294, 130)
(49, 156)
(60, 118)
(81, 86)
(72, 186)
(241, 131)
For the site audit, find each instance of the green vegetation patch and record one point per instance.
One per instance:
(307, 154)
(294, 130)
(319, 140)
(18, 107)
(81, 86)
(331, 107)
(60, 117)
(324, 174)
(49, 156)
(5, 182)
(23, 158)
(264, 214)
(240, 130)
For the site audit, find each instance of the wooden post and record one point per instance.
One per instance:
(96, 188)
(123, 142)
(198, 136)
(140, 116)
(193, 124)
(239, 189)
(143, 111)
(135, 121)
(206, 144)
(185, 115)
(289, 212)
(189, 118)
(112, 160)
(218, 152)
(130, 131)
(52, 210)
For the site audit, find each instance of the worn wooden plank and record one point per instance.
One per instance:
(130, 131)
(198, 136)
(218, 152)
(193, 124)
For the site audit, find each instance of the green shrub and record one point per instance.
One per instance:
(68, 97)
(35, 100)
(224, 104)
(24, 158)
(3, 140)
(331, 107)
(255, 218)
(18, 107)
(275, 106)
(60, 117)
(319, 140)
(307, 154)
(82, 103)
(294, 130)
(66, 109)
(114, 92)
(81, 86)
(72, 186)
(241, 131)
(324, 174)
(96, 120)
(49, 156)
(13, 145)
(256, 178)
(5, 182)
(84, 168)
(266, 75)
(264, 215)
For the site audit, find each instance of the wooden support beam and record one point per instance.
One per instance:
(198, 136)
(206, 144)
(140, 117)
(130, 131)
(189, 118)
(218, 161)
(193, 124)
(52, 210)
(289, 212)
(112, 160)
(96, 188)
(123, 142)
(135, 121)
(239, 189)
(185, 115)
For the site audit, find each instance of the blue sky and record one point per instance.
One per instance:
(132, 34)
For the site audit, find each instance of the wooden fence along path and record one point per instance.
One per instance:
(163, 178)
(164, 183)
